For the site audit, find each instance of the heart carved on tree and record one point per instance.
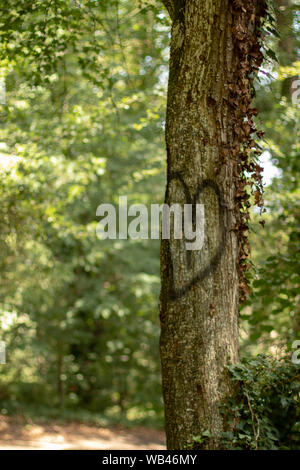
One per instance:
(211, 266)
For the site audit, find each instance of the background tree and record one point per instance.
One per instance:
(215, 52)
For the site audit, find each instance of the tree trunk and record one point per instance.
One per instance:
(200, 289)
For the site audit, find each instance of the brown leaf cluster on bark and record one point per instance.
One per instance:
(247, 21)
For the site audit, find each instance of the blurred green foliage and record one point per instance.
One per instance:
(271, 318)
(79, 314)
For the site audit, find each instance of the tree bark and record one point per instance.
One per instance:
(200, 289)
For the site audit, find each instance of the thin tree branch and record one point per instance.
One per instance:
(253, 417)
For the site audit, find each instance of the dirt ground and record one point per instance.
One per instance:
(15, 435)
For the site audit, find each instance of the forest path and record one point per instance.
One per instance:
(75, 436)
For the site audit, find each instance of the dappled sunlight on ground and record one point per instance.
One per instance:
(16, 435)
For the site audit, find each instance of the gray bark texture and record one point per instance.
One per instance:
(200, 289)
